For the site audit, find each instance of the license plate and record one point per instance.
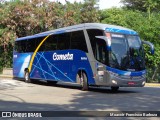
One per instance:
(131, 83)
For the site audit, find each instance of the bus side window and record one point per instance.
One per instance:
(63, 41)
(98, 45)
(38, 41)
(23, 46)
(17, 46)
(101, 52)
(92, 33)
(30, 45)
(20, 46)
(78, 41)
(51, 43)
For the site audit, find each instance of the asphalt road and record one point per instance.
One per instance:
(16, 95)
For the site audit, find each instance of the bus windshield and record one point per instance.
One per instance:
(126, 53)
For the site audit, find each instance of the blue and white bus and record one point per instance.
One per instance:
(90, 54)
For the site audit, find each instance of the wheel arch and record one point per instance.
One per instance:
(26, 70)
(89, 75)
(82, 70)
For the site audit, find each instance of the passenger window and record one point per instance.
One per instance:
(17, 46)
(63, 41)
(98, 45)
(38, 41)
(78, 41)
(23, 46)
(101, 51)
(30, 45)
(92, 33)
(51, 43)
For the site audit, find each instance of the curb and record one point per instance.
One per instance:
(6, 76)
(152, 85)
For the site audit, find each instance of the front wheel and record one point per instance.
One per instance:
(27, 77)
(84, 82)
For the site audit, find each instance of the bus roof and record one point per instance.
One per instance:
(106, 27)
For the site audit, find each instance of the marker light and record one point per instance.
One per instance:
(100, 72)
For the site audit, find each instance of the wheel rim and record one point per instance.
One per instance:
(78, 79)
(82, 81)
(26, 76)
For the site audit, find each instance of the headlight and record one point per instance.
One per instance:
(114, 82)
(143, 83)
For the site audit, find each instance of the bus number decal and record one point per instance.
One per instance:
(83, 58)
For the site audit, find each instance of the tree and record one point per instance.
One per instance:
(89, 12)
(142, 5)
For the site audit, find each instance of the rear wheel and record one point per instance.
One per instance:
(114, 89)
(27, 77)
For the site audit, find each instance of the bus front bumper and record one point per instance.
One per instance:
(127, 82)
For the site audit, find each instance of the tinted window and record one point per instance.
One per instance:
(17, 46)
(38, 41)
(70, 40)
(92, 33)
(133, 41)
(100, 51)
(51, 43)
(78, 41)
(63, 41)
(118, 50)
(30, 45)
(20, 46)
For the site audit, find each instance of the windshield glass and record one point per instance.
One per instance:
(126, 52)
(136, 53)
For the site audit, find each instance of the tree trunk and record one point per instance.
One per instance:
(154, 74)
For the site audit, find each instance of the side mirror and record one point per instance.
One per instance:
(151, 46)
(108, 41)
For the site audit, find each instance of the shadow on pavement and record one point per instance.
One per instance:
(91, 89)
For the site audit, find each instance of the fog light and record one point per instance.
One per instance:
(114, 82)
(143, 83)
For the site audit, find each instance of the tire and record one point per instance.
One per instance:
(114, 89)
(27, 77)
(52, 82)
(84, 82)
(78, 78)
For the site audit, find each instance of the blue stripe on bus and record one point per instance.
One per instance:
(121, 31)
(121, 72)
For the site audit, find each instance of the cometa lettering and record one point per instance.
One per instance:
(62, 56)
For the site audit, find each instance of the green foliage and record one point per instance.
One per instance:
(142, 5)
(88, 12)
(113, 16)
